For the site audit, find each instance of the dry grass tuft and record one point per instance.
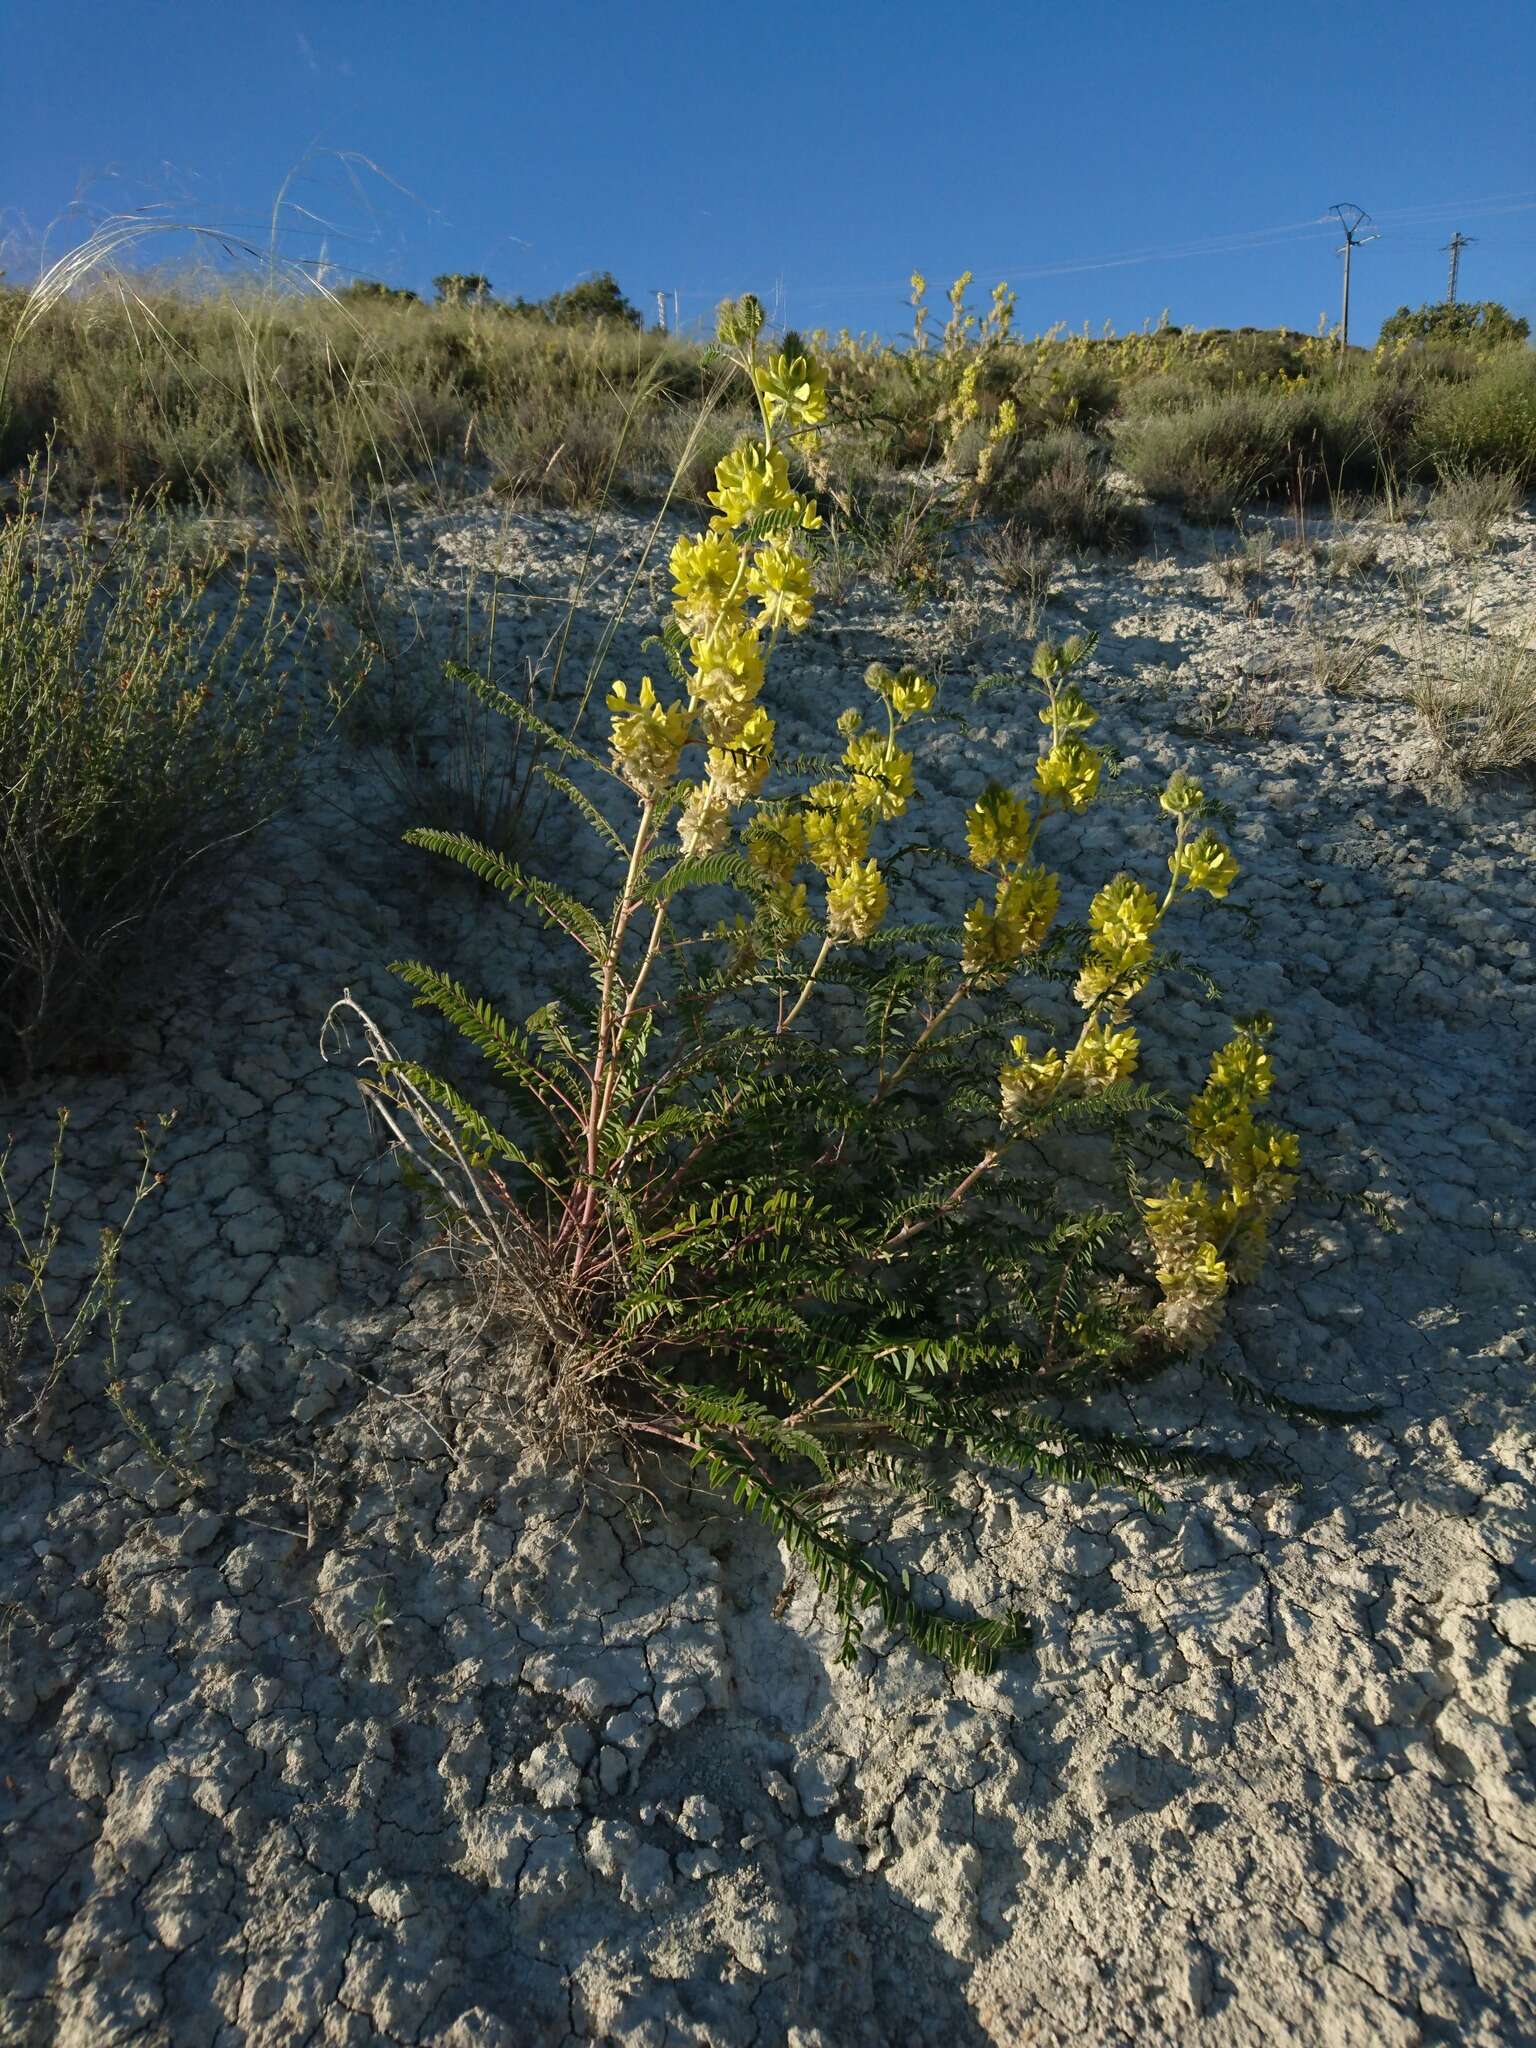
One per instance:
(1477, 698)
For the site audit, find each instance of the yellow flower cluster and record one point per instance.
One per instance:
(793, 393)
(648, 737)
(999, 828)
(1122, 919)
(748, 552)
(1205, 1238)
(753, 480)
(1104, 1054)
(856, 901)
(880, 774)
(1204, 863)
(1025, 905)
(1069, 774)
(834, 827)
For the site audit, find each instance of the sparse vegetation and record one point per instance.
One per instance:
(1025, 565)
(1476, 694)
(136, 737)
(367, 387)
(1469, 507)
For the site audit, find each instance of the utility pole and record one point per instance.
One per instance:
(661, 311)
(1351, 219)
(1455, 245)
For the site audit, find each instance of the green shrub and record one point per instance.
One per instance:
(136, 740)
(1214, 457)
(1477, 323)
(594, 301)
(1057, 486)
(1486, 423)
(778, 1193)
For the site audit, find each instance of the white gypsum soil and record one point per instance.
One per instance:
(380, 1734)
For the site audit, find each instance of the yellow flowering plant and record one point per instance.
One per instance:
(772, 1195)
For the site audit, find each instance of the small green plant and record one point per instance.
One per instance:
(775, 1190)
(1339, 662)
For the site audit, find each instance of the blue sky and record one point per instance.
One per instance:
(815, 154)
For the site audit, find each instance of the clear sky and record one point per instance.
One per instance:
(815, 153)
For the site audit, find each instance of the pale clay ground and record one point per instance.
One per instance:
(383, 1736)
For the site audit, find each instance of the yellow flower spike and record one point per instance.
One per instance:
(1105, 1054)
(911, 695)
(647, 737)
(706, 571)
(1115, 980)
(1205, 863)
(729, 663)
(1069, 774)
(1182, 796)
(750, 481)
(775, 842)
(1028, 901)
(780, 578)
(835, 826)
(1124, 909)
(880, 774)
(739, 768)
(856, 901)
(1241, 1069)
(999, 827)
(988, 942)
(705, 824)
(1028, 1081)
(1071, 712)
(793, 392)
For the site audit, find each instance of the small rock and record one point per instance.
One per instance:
(700, 1819)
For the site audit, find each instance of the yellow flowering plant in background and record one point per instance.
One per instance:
(776, 1192)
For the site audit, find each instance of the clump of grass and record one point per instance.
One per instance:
(138, 735)
(1026, 564)
(1212, 458)
(1351, 556)
(903, 536)
(1057, 486)
(1338, 662)
(1477, 698)
(1468, 508)
(1240, 571)
(1241, 710)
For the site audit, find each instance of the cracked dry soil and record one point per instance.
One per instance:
(379, 1734)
